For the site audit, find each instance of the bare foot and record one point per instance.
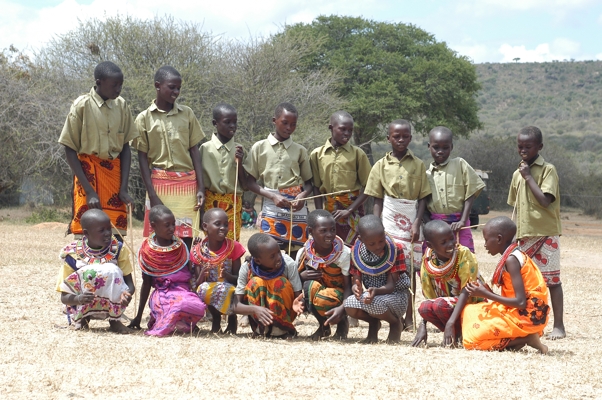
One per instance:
(395, 330)
(118, 327)
(372, 333)
(321, 332)
(232, 326)
(216, 325)
(342, 330)
(534, 341)
(83, 325)
(353, 322)
(408, 324)
(556, 334)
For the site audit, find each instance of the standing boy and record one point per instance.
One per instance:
(222, 159)
(283, 166)
(535, 194)
(96, 137)
(339, 166)
(399, 186)
(168, 152)
(454, 185)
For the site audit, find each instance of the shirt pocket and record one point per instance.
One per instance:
(116, 142)
(343, 179)
(412, 187)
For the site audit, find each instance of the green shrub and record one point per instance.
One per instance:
(47, 214)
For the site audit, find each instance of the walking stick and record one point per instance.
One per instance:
(412, 283)
(235, 190)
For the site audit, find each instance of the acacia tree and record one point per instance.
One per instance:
(393, 70)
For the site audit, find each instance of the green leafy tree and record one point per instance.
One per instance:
(393, 70)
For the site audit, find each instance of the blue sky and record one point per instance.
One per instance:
(484, 30)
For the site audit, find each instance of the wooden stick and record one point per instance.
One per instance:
(235, 190)
(290, 232)
(322, 195)
(132, 256)
(188, 225)
(412, 289)
(471, 226)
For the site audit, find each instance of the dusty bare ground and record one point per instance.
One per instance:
(40, 358)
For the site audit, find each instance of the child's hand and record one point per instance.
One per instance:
(125, 197)
(415, 232)
(421, 335)
(341, 215)
(126, 297)
(370, 293)
(298, 304)
(456, 226)
(263, 315)
(335, 315)
(524, 170)
(200, 200)
(475, 289)
(357, 288)
(449, 335)
(239, 153)
(84, 298)
(92, 200)
(202, 276)
(281, 201)
(311, 275)
(299, 203)
(135, 323)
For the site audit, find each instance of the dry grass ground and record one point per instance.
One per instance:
(40, 358)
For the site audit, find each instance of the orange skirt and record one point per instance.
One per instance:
(105, 178)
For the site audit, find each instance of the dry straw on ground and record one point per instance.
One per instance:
(40, 358)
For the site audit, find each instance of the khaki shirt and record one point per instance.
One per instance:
(405, 179)
(452, 183)
(279, 165)
(166, 137)
(344, 168)
(219, 166)
(531, 218)
(98, 127)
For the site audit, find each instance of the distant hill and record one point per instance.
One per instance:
(564, 99)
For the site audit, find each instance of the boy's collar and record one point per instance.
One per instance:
(346, 146)
(99, 100)
(174, 110)
(273, 141)
(392, 159)
(435, 165)
(538, 161)
(218, 143)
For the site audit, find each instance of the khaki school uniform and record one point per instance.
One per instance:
(219, 166)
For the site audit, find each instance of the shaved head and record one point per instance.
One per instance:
(441, 133)
(212, 213)
(257, 241)
(435, 228)
(370, 225)
(158, 212)
(339, 116)
(314, 216)
(501, 226)
(92, 217)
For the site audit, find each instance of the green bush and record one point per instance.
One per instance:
(48, 215)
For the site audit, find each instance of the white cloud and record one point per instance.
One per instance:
(559, 49)
(478, 53)
(559, 8)
(599, 56)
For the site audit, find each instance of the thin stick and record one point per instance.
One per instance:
(235, 190)
(290, 232)
(412, 289)
(322, 195)
(471, 226)
(132, 259)
(188, 225)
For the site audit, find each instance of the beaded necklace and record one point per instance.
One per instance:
(92, 256)
(447, 270)
(497, 274)
(379, 266)
(314, 260)
(257, 271)
(202, 255)
(159, 261)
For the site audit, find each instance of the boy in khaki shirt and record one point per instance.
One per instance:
(222, 160)
(96, 137)
(535, 194)
(454, 185)
(400, 187)
(170, 161)
(339, 166)
(283, 167)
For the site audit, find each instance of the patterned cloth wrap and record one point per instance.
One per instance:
(274, 292)
(226, 203)
(327, 293)
(398, 216)
(346, 228)
(465, 235)
(276, 221)
(215, 291)
(105, 178)
(99, 275)
(177, 191)
(174, 307)
(373, 271)
(545, 253)
(491, 325)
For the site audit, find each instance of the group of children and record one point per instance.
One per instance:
(340, 264)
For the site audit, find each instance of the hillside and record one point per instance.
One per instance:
(564, 99)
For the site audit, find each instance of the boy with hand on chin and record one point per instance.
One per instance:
(222, 159)
(454, 185)
(96, 137)
(270, 280)
(284, 168)
(338, 166)
(535, 192)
